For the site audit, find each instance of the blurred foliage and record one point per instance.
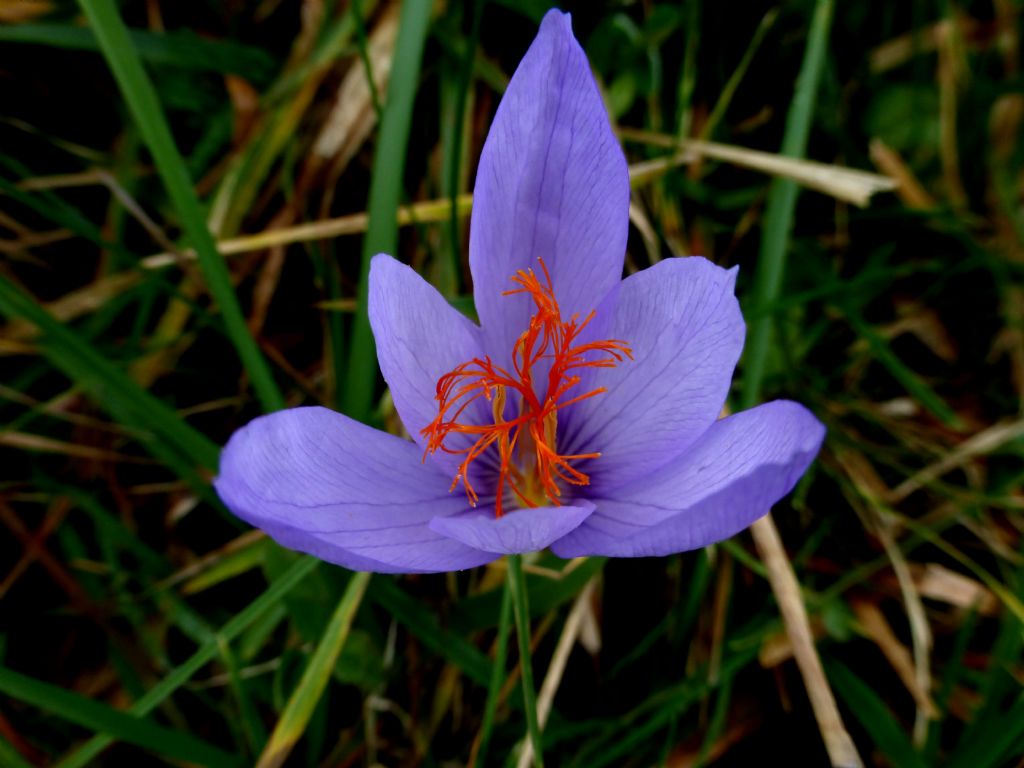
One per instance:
(141, 624)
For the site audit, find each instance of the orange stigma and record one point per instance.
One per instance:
(529, 464)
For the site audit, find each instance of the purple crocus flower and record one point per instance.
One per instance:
(581, 415)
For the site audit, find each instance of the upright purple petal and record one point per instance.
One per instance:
(727, 480)
(420, 337)
(686, 330)
(552, 183)
(321, 483)
(521, 530)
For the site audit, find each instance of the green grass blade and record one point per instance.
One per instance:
(99, 717)
(1012, 631)
(110, 529)
(781, 206)
(385, 194)
(162, 428)
(497, 675)
(85, 755)
(688, 76)
(423, 623)
(287, 103)
(914, 385)
(250, 725)
(998, 683)
(363, 44)
(875, 717)
(10, 757)
(228, 567)
(478, 612)
(180, 48)
(53, 208)
(450, 273)
(997, 743)
(777, 228)
(521, 609)
(716, 725)
(304, 698)
(145, 108)
(727, 93)
(635, 730)
(951, 677)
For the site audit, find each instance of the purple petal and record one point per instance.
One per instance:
(522, 530)
(727, 480)
(686, 330)
(552, 183)
(420, 337)
(321, 483)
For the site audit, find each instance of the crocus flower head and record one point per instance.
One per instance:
(580, 415)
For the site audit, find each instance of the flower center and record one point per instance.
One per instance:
(529, 464)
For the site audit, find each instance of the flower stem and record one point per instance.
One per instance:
(497, 676)
(517, 588)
